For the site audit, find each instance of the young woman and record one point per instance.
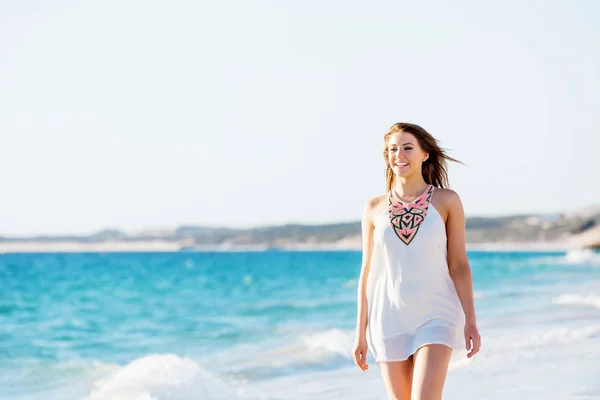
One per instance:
(415, 292)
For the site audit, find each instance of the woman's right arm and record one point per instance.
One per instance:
(367, 250)
(360, 348)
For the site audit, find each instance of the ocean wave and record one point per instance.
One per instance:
(50, 379)
(573, 257)
(334, 341)
(305, 352)
(161, 377)
(578, 299)
(326, 346)
(562, 336)
(524, 341)
(582, 256)
(328, 349)
(317, 352)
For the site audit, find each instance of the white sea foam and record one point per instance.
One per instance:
(578, 299)
(161, 377)
(342, 383)
(573, 257)
(314, 348)
(334, 341)
(520, 340)
(301, 353)
(563, 335)
(329, 349)
(582, 256)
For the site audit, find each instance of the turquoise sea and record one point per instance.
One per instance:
(275, 325)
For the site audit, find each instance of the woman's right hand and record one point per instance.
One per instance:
(359, 352)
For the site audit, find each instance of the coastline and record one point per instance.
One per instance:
(79, 247)
(166, 246)
(561, 233)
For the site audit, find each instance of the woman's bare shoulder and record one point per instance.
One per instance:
(445, 200)
(446, 195)
(376, 204)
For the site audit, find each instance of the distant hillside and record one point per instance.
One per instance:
(527, 228)
(578, 229)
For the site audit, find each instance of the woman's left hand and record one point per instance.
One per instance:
(472, 339)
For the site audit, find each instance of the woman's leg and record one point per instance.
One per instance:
(397, 376)
(430, 367)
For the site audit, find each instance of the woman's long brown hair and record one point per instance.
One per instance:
(434, 169)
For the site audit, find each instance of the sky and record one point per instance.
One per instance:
(140, 115)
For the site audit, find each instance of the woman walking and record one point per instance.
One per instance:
(415, 291)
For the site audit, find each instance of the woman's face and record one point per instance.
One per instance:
(405, 156)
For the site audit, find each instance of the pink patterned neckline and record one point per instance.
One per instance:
(407, 218)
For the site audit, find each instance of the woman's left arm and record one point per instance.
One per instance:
(460, 270)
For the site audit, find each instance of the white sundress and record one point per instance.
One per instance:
(411, 297)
